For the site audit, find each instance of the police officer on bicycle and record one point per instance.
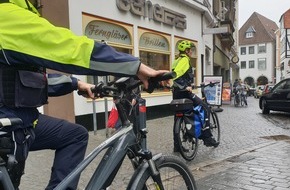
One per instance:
(28, 45)
(182, 88)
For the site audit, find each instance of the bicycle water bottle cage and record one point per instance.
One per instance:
(181, 104)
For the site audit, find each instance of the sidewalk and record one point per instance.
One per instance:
(259, 168)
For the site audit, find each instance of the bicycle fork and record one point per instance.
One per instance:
(155, 175)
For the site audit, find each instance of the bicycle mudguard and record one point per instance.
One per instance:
(141, 169)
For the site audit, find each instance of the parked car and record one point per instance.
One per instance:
(259, 91)
(278, 99)
(268, 88)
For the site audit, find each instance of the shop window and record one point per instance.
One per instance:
(243, 50)
(262, 64)
(154, 51)
(251, 64)
(116, 34)
(155, 60)
(243, 65)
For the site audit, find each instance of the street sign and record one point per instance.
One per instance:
(219, 30)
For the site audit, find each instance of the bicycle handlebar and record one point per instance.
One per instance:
(102, 90)
(211, 84)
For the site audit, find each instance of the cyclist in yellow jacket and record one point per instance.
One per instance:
(182, 88)
(28, 45)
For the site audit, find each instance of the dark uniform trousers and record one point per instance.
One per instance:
(69, 141)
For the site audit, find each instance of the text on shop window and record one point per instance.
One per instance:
(106, 31)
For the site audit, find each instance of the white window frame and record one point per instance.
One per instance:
(262, 48)
(243, 65)
(251, 64)
(262, 64)
(249, 34)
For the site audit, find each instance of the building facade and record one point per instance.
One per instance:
(149, 29)
(225, 44)
(257, 50)
(283, 42)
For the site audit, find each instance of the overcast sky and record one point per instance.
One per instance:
(271, 9)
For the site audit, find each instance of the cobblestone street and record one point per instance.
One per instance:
(253, 153)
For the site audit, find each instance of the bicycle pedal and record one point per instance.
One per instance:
(205, 128)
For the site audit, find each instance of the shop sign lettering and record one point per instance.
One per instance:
(153, 11)
(105, 31)
(149, 40)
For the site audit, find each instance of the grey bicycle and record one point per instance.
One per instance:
(158, 172)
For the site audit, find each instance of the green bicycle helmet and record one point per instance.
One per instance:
(183, 45)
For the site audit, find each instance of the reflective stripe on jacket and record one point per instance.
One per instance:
(26, 38)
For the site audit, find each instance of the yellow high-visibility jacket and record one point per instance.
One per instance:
(27, 38)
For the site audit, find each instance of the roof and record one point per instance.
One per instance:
(262, 27)
(286, 17)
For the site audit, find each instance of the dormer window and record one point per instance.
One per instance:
(250, 32)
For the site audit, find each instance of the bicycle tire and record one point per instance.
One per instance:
(242, 101)
(188, 145)
(246, 102)
(236, 103)
(215, 126)
(175, 175)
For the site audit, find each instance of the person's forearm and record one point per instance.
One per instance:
(59, 84)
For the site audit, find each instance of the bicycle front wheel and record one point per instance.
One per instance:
(188, 144)
(175, 175)
(215, 126)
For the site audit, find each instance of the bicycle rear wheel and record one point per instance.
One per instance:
(215, 126)
(175, 175)
(188, 145)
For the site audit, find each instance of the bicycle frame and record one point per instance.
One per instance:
(118, 146)
(130, 140)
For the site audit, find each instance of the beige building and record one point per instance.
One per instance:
(257, 50)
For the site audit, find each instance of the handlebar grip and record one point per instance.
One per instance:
(165, 76)
(81, 93)
(153, 82)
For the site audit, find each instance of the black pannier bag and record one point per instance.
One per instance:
(181, 104)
